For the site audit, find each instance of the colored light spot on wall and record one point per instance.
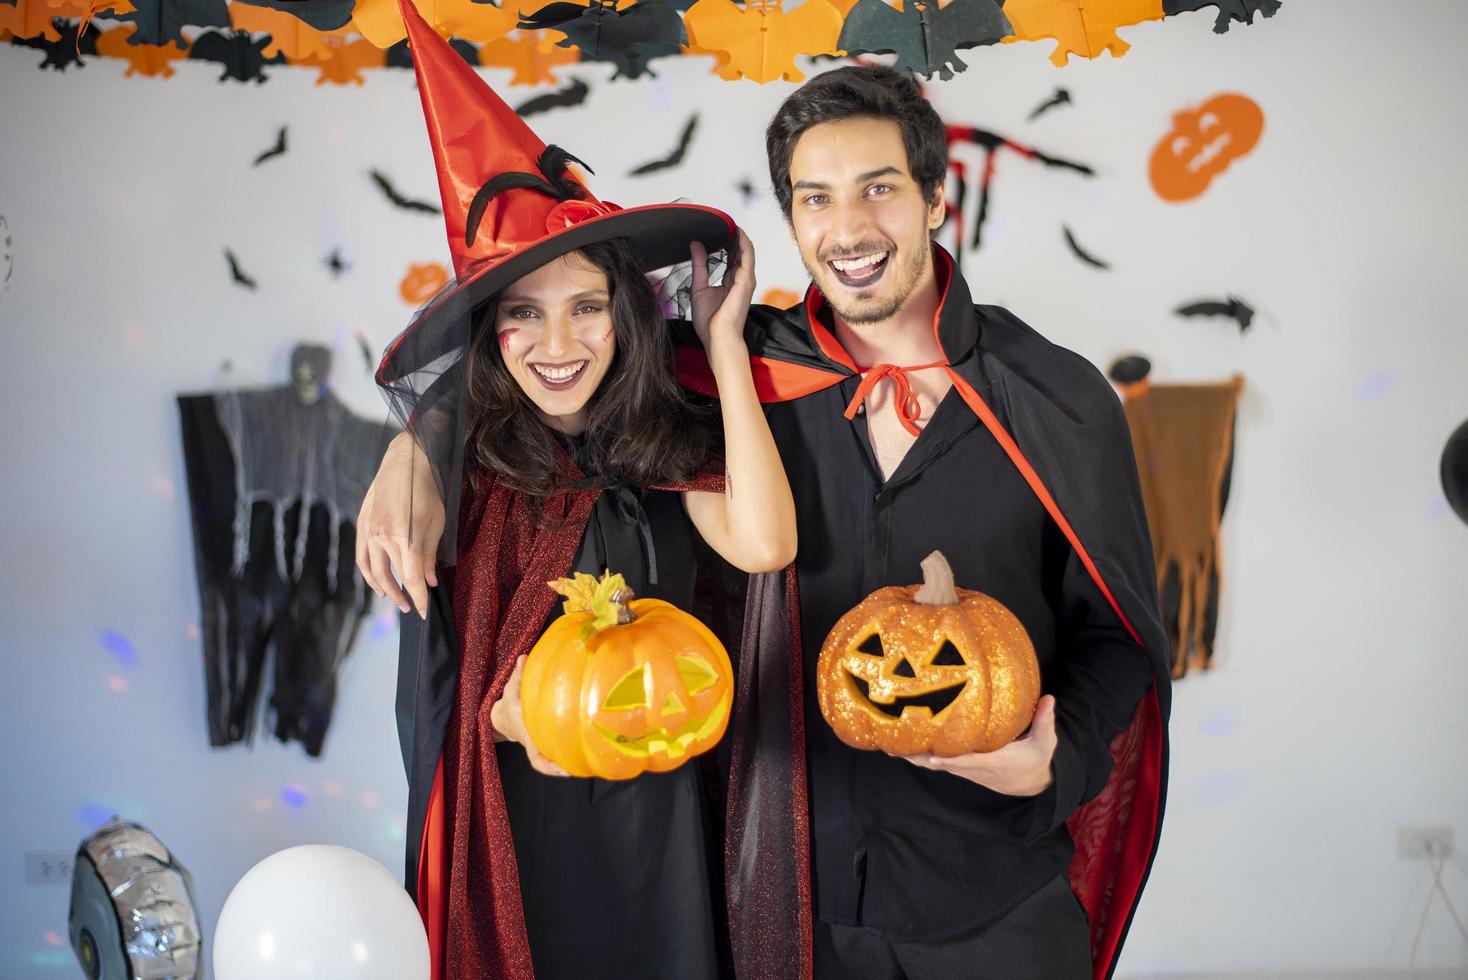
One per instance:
(395, 833)
(263, 803)
(94, 815)
(134, 336)
(333, 788)
(1375, 386)
(192, 631)
(370, 799)
(1439, 509)
(117, 684)
(55, 958)
(53, 938)
(121, 648)
(293, 796)
(163, 486)
(1220, 787)
(384, 623)
(1218, 723)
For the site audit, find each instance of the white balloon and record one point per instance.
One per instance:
(320, 912)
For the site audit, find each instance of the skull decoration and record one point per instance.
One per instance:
(617, 687)
(929, 669)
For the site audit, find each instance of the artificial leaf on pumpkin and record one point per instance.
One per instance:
(1242, 11)
(323, 15)
(66, 50)
(342, 62)
(627, 38)
(925, 37)
(1083, 27)
(381, 21)
(161, 21)
(289, 36)
(241, 55)
(533, 56)
(400, 55)
(761, 40)
(153, 60)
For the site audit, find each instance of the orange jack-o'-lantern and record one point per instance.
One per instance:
(1203, 142)
(928, 669)
(621, 686)
(422, 282)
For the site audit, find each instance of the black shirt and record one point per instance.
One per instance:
(910, 852)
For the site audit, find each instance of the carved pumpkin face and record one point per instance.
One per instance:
(909, 676)
(422, 282)
(1202, 144)
(620, 698)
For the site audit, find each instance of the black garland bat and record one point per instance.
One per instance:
(572, 95)
(1061, 97)
(925, 38)
(277, 150)
(336, 264)
(398, 200)
(1242, 11)
(1081, 253)
(324, 15)
(628, 38)
(241, 54)
(398, 56)
(162, 21)
(64, 53)
(674, 158)
(746, 189)
(1230, 306)
(235, 271)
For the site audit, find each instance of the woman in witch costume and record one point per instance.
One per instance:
(545, 434)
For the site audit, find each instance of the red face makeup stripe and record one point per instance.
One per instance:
(504, 337)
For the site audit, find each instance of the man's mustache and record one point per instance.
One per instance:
(855, 251)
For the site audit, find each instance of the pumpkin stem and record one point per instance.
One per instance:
(937, 588)
(607, 599)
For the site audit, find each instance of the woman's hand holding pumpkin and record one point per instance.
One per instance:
(509, 723)
(399, 526)
(1021, 768)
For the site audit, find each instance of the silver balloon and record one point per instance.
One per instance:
(132, 908)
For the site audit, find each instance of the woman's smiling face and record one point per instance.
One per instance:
(554, 328)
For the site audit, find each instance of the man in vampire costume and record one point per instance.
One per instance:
(910, 419)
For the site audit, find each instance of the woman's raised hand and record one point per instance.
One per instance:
(719, 311)
(399, 526)
(509, 723)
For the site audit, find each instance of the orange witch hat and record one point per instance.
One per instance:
(511, 203)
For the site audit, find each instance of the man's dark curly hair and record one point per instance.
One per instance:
(853, 92)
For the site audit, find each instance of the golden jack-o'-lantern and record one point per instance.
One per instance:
(620, 686)
(928, 669)
(1202, 144)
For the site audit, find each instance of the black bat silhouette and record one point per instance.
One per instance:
(406, 203)
(277, 150)
(1061, 97)
(572, 95)
(1242, 11)
(335, 263)
(238, 273)
(925, 38)
(5, 258)
(161, 21)
(674, 158)
(746, 189)
(399, 56)
(241, 54)
(64, 53)
(1081, 253)
(628, 38)
(324, 15)
(1230, 306)
(366, 350)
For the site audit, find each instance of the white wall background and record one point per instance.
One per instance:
(1335, 715)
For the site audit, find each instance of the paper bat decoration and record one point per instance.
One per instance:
(925, 37)
(6, 262)
(365, 347)
(321, 15)
(293, 38)
(275, 151)
(1060, 98)
(241, 55)
(154, 60)
(533, 55)
(628, 38)
(1082, 27)
(761, 40)
(1081, 253)
(381, 21)
(343, 61)
(1242, 11)
(66, 50)
(568, 97)
(162, 21)
(674, 158)
(335, 264)
(401, 56)
(237, 273)
(398, 200)
(33, 18)
(1230, 306)
(745, 187)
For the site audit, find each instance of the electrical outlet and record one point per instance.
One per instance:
(1416, 843)
(48, 867)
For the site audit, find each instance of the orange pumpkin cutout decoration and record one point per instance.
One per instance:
(619, 686)
(1202, 144)
(422, 282)
(534, 56)
(928, 669)
(1083, 27)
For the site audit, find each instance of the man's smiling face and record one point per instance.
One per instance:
(859, 218)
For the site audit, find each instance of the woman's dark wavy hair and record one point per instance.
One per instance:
(643, 429)
(851, 92)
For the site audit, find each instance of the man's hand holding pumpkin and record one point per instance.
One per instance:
(1021, 768)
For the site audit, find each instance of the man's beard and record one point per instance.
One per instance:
(876, 310)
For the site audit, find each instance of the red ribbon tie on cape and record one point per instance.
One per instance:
(904, 402)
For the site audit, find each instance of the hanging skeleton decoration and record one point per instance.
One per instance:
(276, 477)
